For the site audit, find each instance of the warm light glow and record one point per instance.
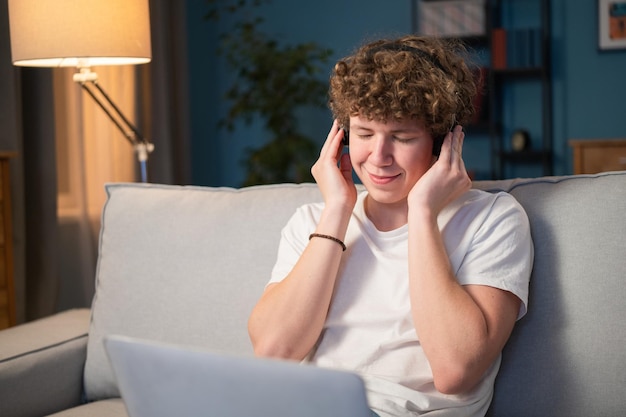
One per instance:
(79, 33)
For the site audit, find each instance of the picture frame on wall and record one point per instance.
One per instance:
(449, 18)
(612, 24)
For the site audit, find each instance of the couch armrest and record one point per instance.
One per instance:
(42, 363)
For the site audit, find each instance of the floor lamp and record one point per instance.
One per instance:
(84, 34)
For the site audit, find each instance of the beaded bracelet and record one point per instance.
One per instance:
(334, 239)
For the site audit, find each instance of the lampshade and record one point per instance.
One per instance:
(79, 33)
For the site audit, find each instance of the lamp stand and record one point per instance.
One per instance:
(89, 82)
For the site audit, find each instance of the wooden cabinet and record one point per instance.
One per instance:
(7, 291)
(599, 155)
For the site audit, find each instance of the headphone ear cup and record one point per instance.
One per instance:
(346, 137)
(437, 143)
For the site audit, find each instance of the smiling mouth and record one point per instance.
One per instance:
(382, 180)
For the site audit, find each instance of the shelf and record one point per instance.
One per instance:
(519, 72)
(528, 157)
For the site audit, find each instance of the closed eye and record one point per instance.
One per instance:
(404, 139)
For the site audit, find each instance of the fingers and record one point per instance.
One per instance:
(345, 165)
(333, 171)
(457, 146)
(333, 141)
(452, 148)
(331, 161)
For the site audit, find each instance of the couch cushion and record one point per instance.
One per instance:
(104, 408)
(157, 277)
(567, 357)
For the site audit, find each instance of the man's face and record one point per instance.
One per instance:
(390, 157)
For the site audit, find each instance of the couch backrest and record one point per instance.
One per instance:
(186, 265)
(567, 357)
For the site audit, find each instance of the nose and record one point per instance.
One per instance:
(381, 151)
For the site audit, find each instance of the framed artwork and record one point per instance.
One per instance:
(449, 18)
(612, 24)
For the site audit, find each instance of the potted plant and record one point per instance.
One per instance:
(272, 81)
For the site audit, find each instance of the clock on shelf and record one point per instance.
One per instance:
(520, 140)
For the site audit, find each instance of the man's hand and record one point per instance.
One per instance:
(333, 171)
(446, 180)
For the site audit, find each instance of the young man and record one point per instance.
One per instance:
(417, 282)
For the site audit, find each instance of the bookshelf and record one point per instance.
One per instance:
(520, 58)
(516, 36)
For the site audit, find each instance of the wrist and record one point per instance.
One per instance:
(338, 209)
(423, 215)
(329, 237)
(334, 221)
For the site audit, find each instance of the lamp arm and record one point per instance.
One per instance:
(132, 138)
(88, 81)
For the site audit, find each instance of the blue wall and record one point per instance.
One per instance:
(588, 84)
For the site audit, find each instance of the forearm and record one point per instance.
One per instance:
(290, 315)
(451, 326)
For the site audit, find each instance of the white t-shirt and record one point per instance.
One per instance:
(369, 329)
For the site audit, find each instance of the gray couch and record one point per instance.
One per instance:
(186, 264)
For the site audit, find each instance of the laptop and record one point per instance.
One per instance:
(157, 379)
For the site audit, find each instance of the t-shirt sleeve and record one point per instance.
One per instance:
(293, 240)
(501, 252)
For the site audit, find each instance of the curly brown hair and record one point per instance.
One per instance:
(409, 78)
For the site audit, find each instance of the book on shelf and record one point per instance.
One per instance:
(516, 48)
